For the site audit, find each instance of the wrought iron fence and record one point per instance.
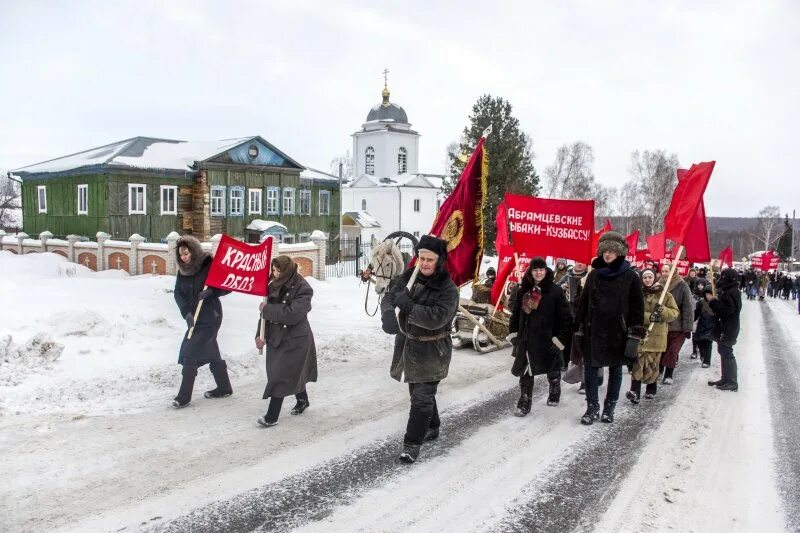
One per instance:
(348, 257)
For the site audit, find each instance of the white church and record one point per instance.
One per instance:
(388, 193)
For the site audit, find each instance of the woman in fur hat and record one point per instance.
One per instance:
(540, 312)
(645, 369)
(609, 318)
(291, 352)
(193, 266)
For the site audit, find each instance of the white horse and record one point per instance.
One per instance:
(386, 263)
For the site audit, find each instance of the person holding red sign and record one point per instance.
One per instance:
(540, 312)
(610, 321)
(201, 349)
(291, 352)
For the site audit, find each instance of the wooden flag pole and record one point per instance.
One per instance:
(262, 324)
(672, 270)
(196, 314)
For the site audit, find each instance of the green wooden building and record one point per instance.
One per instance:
(155, 186)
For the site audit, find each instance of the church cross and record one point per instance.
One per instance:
(153, 265)
(86, 262)
(119, 263)
(386, 77)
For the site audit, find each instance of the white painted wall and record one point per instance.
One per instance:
(387, 145)
(393, 207)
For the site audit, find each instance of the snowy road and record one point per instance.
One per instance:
(781, 351)
(90, 443)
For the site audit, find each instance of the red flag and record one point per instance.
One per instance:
(632, 241)
(726, 256)
(501, 224)
(460, 219)
(505, 267)
(685, 200)
(241, 267)
(558, 228)
(596, 237)
(657, 244)
(696, 245)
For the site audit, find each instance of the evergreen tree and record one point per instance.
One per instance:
(785, 241)
(510, 158)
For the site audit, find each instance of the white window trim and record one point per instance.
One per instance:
(307, 193)
(174, 189)
(132, 186)
(321, 203)
(222, 203)
(283, 199)
(239, 213)
(83, 187)
(39, 198)
(250, 201)
(279, 199)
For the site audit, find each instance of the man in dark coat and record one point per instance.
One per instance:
(727, 306)
(609, 319)
(422, 346)
(572, 285)
(193, 266)
(540, 313)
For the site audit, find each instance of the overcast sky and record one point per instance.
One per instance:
(706, 80)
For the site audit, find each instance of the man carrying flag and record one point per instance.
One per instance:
(426, 299)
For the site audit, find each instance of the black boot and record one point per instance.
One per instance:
(608, 411)
(732, 382)
(302, 403)
(184, 396)
(523, 405)
(273, 412)
(555, 392)
(431, 434)
(592, 413)
(635, 393)
(722, 380)
(410, 453)
(219, 369)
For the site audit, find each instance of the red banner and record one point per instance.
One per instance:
(556, 228)
(501, 226)
(657, 244)
(726, 257)
(460, 219)
(507, 270)
(683, 265)
(241, 267)
(685, 200)
(633, 246)
(696, 245)
(765, 261)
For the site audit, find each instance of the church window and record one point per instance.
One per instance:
(416, 205)
(402, 161)
(363, 204)
(369, 167)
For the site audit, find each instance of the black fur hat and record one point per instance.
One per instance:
(538, 262)
(432, 244)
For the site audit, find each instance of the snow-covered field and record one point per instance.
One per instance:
(88, 368)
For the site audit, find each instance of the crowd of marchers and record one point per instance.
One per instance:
(581, 319)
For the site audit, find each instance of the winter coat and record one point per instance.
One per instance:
(202, 348)
(727, 307)
(572, 285)
(558, 275)
(610, 310)
(656, 340)
(551, 318)
(291, 351)
(685, 302)
(423, 348)
(706, 321)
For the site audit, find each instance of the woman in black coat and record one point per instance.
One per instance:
(291, 352)
(193, 266)
(609, 318)
(727, 306)
(540, 312)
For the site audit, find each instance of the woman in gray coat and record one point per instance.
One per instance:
(291, 352)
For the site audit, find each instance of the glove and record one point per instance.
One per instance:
(688, 335)
(632, 349)
(658, 308)
(655, 317)
(553, 351)
(189, 320)
(205, 293)
(402, 300)
(389, 323)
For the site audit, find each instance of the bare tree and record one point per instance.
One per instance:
(603, 200)
(10, 202)
(571, 176)
(347, 166)
(655, 175)
(629, 205)
(767, 230)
